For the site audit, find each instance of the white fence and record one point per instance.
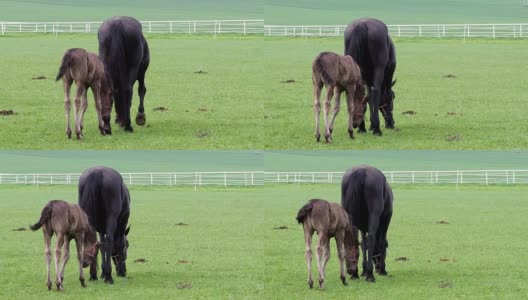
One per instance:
(243, 178)
(410, 177)
(258, 178)
(215, 27)
(430, 30)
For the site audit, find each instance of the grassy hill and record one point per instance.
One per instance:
(332, 12)
(98, 10)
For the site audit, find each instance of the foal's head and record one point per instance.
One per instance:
(91, 247)
(119, 253)
(351, 250)
(107, 100)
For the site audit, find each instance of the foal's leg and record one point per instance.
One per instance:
(67, 103)
(351, 91)
(65, 258)
(80, 250)
(60, 243)
(47, 253)
(96, 90)
(78, 98)
(308, 233)
(340, 245)
(318, 86)
(321, 256)
(141, 118)
(337, 107)
(84, 106)
(326, 109)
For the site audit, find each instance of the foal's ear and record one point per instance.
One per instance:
(127, 230)
(394, 82)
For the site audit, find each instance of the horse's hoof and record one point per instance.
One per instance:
(109, 280)
(343, 280)
(141, 119)
(129, 129)
(318, 137)
(82, 283)
(382, 272)
(59, 287)
(377, 132)
(362, 130)
(116, 120)
(49, 286)
(310, 284)
(370, 279)
(351, 134)
(94, 278)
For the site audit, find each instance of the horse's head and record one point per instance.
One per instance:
(91, 248)
(119, 253)
(107, 101)
(359, 105)
(352, 251)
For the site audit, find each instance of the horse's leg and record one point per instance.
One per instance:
(350, 105)
(382, 238)
(82, 110)
(326, 110)
(141, 118)
(375, 101)
(58, 248)
(340, 245)
(65, 258)
(108, 244)
(321, 247)
(308, 241)
(78, 98)
(103, 255)
(80, 250)
(318, 86)
(337, 107)
(128, 103)
(47, 253)
(96, 90)
(364, 250)
(371, 244)
(67, 104)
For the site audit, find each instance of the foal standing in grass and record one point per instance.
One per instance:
(338, 73)
(87, 70)
(67, 221)
(329, 220)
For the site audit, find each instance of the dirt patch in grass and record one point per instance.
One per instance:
(161, 108)
(140, 260)
(453, 138)
(452, 113)
(183, 285)
(403, 259)
(39, 78)
(450, 76)
(289, 81)
(182, 224)
(183, 261)
(202, 134)
(442, 222)
(8, 112)
(202, 109)
(445, 284)
(19, 229)
(445, 260)
(409, 112)
(200, 72)
(283, 227)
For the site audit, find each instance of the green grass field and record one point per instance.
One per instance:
(336, 12)
(99, 10)
(218, 110)
(481, 108)
(232, 250)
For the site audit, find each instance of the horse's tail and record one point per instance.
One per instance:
(112, 53)
(66, 61)
(355, 185)
(304, 212)
(45, 215)
(90, 195)
(319, 68)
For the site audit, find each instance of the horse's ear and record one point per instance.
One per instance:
(394, 82)
(127, 230)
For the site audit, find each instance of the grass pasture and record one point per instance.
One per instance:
(218, 110)
(230, 248)
(482, 107)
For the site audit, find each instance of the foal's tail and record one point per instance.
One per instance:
(45, 215)
(304, 212)
(66, 60)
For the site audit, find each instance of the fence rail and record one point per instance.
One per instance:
(244, 27)
(420, 30)
(257, 178)
(243, 178)
(485, 177)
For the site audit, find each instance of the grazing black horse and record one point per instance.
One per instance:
(125, 55)
(367, 198)
(368, 42)
(104, 197)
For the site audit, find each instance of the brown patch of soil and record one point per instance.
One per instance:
(200, 72)
(7, 112)
(409, 112)
(202, 109)
(403, 258)
(456, 137)
(161, 108)
(182, 261)
(283, 227)
(289, 81)
(140, 260)
(20, 229)
(39, 78)
(442, 222)
(444, 259)
(183, 285)
(182, 224)
(451, 113)
(445, 284)
(202, 134)
(449, 76)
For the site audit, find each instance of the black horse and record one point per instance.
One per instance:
(104, 197)
(125, 55)
(368, 42)
(367, 198)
